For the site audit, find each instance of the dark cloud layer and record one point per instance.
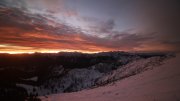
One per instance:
(20, 29)
(28, 29)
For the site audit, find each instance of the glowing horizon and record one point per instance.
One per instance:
(50, 51)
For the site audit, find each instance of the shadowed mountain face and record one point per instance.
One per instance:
(43, 74)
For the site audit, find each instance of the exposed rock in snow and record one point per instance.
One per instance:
(74, 80)
(103, 67)
(78, 79)
(56, 71)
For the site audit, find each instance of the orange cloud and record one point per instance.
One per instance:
(23, 32)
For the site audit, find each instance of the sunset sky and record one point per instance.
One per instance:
(89, 25)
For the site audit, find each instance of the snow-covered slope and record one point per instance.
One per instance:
(158, 84)
(133, 68)
(94, 76)
(97, 75)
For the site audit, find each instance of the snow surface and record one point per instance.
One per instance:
(158, 84)
(29, 88)
(35, 78)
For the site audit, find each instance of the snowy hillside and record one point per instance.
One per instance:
(133, 68)
(157, 83)
(61, 80)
